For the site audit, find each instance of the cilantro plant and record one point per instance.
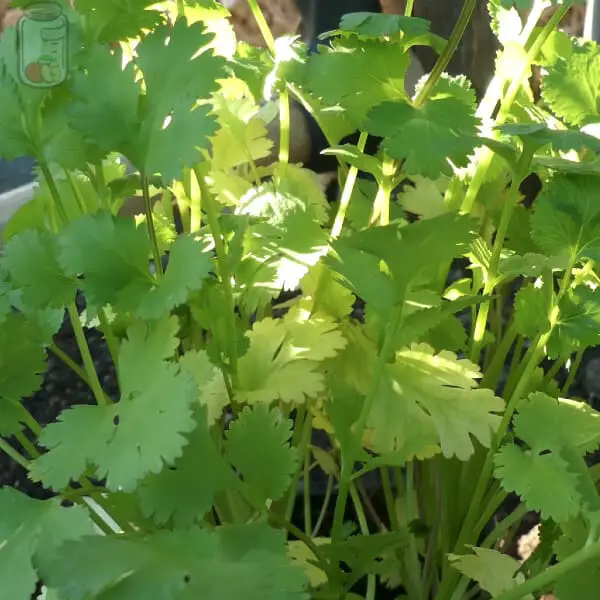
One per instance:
(266, 338)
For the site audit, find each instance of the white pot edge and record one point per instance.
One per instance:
(12, 200)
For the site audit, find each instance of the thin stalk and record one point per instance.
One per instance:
(493, 93)
(27, 445)
(223, 267)
(109, 336)
(414, 568)
(150, 225)
(551, 574)
(181, 8)
(381, 204)
(324, 507)
(263, 26)
(76, 191)
(553, 370)
(494, 370)
(306, 495)
(284, 127)
(572, 374)
(408, 9)
(448, 52)
(503, 526)
(492, 274)
(86, 356)
(54, 192)
(486, 155)
(366, 501)
(12, 453)
(349, 184)
(69, 362)
(102, 188)
(348, 461)
(303, 443)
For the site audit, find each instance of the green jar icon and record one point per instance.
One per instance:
(43, 45)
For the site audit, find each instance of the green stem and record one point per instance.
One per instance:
(381, 204)
(572, 373)
(551, 574)
(324, 507)
(348, 460)
(492, 274)
(12, 453)
(486, 155)
(27, 445)
(284, 127)
(449, 50)
(409, 8)
(181, 8)
(306, 495)
(501, 528)
(69, 362)
(263, 26)
(86, 356)
(414, 567)
(76, 191)
(224, 270)
(54, 192)
(103, 191)
(150, 225)
(109, 336)
(494, 371)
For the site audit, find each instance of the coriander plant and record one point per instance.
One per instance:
(408, 346)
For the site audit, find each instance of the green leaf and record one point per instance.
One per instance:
(357, 75)
(189, 266)
(258, 446)
(428, 399)
(247, 562)
(578, 324)
(537, 135)
(408, 251)
(130, 439)
(442, 133)
(112, 254)
(31, 531)
(580, 582)
(284, 356)
(566, 217)
(376, 24)
(114, 20)
(572, 87)
(492, 570)
(531, 311)
(174, 79)
(548, 425)
(31, 260)
(185, 491)
(22, 358)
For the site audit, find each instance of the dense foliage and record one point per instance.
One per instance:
(274, 314)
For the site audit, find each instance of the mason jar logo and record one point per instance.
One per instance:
(42, 43)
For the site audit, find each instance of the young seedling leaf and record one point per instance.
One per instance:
(177, 564)
(31, 532)
(185, 491)
(566, 217)
(258, 447)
